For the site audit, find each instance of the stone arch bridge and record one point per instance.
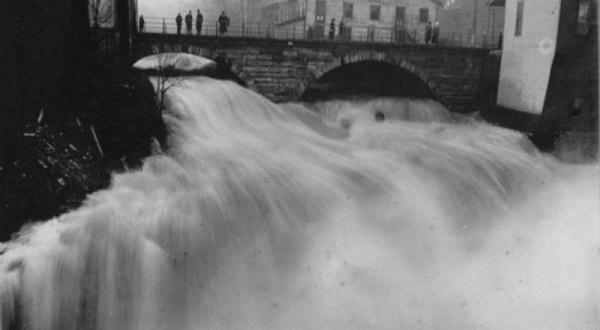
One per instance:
(282, 70)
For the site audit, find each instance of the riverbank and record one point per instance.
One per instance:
(71, 147)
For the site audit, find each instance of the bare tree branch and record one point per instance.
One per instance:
(165, 78)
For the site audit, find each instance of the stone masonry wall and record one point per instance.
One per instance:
(281, 70)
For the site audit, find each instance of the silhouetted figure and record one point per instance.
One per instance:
(428, 33)
(500, 40)
(178, 21)
(341, 30)
(379, 116)
(399, 31)
(332, 29)
(142, 23)
(223, 23)
(188, 22)
(435, 34)
(371, 33)
(199, 20)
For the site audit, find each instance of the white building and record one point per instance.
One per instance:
(530, 37)
(364, 20)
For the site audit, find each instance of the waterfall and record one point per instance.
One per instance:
(317, 216)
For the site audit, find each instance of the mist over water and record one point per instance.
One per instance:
(264, 216)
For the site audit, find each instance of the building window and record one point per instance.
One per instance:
(583, 17)
(400, 15)
(423, 15)
(375, 12)
(320, 11)
(519, 23)
(348, 10)
(290, 11)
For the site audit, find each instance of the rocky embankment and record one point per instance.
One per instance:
(70, 150)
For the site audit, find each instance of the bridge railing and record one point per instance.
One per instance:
(486, 41)
(298, 31)
(361, 33)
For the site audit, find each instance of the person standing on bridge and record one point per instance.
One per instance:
(332, 29)
(341, 30)
(188, 22)
(178, 21)
(435, 34)
(142, 23)
(199, 20)
(223, 23)
(428, 33)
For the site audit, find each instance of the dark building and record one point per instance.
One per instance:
(45, 44)
(113, 24)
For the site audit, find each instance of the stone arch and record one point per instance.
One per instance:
(415, 70)
(377, 56)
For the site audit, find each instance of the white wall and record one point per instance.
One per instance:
(362, 10)
(527, 59)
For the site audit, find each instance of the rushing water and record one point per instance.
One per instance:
(262, 216)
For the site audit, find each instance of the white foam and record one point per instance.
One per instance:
(269, 217)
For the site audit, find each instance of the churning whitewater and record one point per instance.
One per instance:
(264, 216)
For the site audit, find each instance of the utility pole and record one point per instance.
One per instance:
(305, 18)
(475, 22)
(244, 16)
